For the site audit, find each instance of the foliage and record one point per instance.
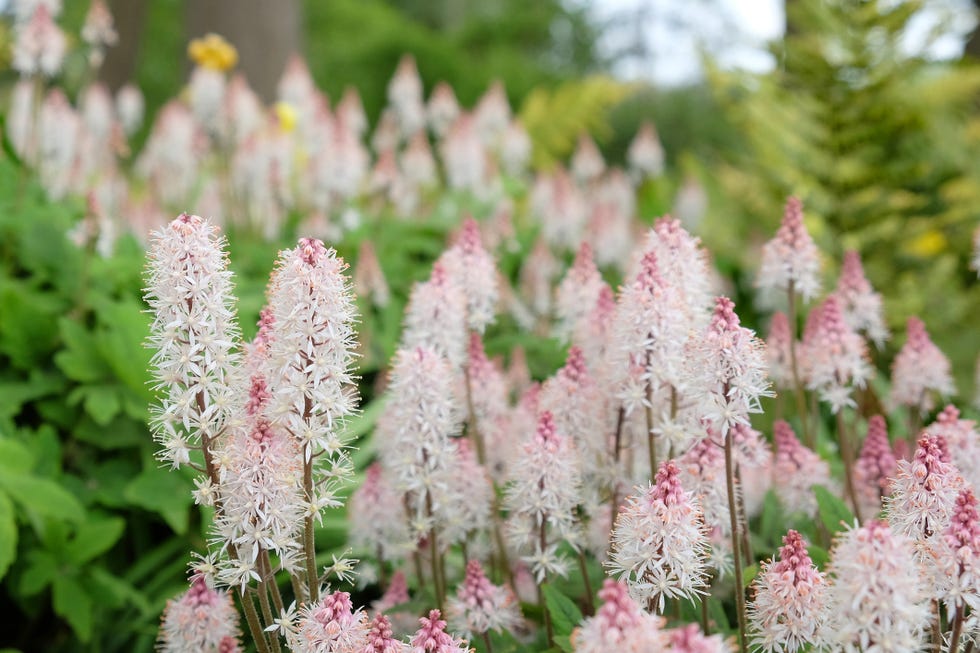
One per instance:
(555, 118)
(875, 141)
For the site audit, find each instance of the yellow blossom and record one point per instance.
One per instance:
(286, 116)
(214, 52)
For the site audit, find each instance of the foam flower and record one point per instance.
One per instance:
(919, 370)
(329, 625)
(877, 598)
(861, 305)
(791, 258)
(660, 542)
(545, 487)
(39, 45)
(472, 269)
(310, 359)
(202, 620)
(796, 470)
(962, 442)
(778, 350)
(730, 372)
(788, 611)
(875, 465)
(619, 625)
(578, 291)
(957, 560)
(479, 606)
(645, 154)
(195, 337)
(432, 637)
(833, 357)
(924, 491)
(377, 517)
(436, 316)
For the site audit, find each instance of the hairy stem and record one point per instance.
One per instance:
(254, 625)
(736, 554)
(954, 638)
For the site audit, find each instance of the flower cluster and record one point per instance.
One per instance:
(659, 542)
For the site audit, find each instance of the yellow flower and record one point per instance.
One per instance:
(286, 116)
(928, 244)
(214, 52)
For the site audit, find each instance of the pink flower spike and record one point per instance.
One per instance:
(729, 372)
(791, 258)
(433, 638)
(860, 303)
(202, 619)
(690, 639)
(619, 625)
(833, 357)
(874, 467)
(472, 268)
(578, 291)
(924, 491)
(545, 487)
(778, 350)
(788, 611)
(381, 639)
(480, 606)
(39, 45)
(330, 624)
(878, 599)
(796, 470)
(958, 556)
(919, 370)
(660, 545)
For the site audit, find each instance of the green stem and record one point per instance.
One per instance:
(847, 455)
(267, 574)
(797, 383)
(254, 625)
(267, 611)
(954, 638)
(649, 419)
(733, 517)
(543, 543)
(589, 604)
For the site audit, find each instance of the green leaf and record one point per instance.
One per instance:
(8, 535)
(28, 330)
(79, 360)
(122, 331)
(74, 604)
(749, 574)
(115, 591)
(42, 568)
(42, 495)
(164, 492)
(833, 511)
(14, 394)
(565, 615)
(14, 456)
(102, 403)
(93, 538)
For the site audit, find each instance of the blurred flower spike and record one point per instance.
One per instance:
(214, 52)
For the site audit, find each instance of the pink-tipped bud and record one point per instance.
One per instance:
(791, 258)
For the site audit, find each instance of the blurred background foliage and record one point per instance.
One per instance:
(880, 143)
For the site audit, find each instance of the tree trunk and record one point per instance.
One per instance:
(120, 60)
(265, 32)
(972, 47)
